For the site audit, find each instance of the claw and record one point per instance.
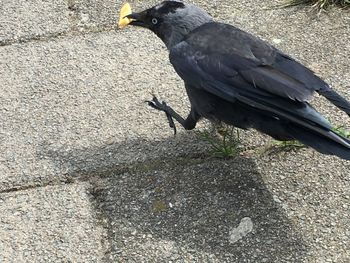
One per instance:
(155, 100)
(171, 123)
(155, 103)
(151, 103)
(169, 117)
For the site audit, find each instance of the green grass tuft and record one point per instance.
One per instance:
(284, 146)
(225, 141)
(320, 4)
(224, 144)
(342, 131)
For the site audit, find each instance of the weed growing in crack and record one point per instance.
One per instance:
(224, 141)
(319, 4)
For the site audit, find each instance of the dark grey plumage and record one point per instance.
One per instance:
(237, 78)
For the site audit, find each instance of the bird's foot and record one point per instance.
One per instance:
(162, 106)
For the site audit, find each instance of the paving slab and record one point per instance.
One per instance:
(83, 92)
(210, 211)
(22, 19)
(315, 194)
(50, 224)
(72, 107)
(275, 209)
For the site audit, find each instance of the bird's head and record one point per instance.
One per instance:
(170, 20)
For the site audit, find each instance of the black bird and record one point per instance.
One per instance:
(239, 79)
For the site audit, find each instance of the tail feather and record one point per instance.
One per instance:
(334, 144)
(336, 99)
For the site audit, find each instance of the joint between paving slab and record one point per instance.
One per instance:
(51, 36)
(95, 175)
(31, 38)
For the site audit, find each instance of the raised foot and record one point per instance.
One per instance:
(162, 106)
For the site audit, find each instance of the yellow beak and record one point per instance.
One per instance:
(124, 11)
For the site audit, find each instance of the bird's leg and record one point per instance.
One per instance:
(189, 123)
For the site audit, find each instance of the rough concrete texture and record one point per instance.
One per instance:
(73, 121)
(315, 195)
(22, 19)
(187, 213)
(62, 113)
(50, 224)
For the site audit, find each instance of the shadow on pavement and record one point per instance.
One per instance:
(118, 156)
(185, 209)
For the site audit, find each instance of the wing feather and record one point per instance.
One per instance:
(229, 79)
(220, 46)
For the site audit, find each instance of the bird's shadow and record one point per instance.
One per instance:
(193, 202)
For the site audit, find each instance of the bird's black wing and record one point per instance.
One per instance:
(212, 75)
(234, 64)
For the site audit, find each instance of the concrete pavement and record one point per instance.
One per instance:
(54, 223)
(88, 173)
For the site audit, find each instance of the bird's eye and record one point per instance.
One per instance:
(154, 21)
